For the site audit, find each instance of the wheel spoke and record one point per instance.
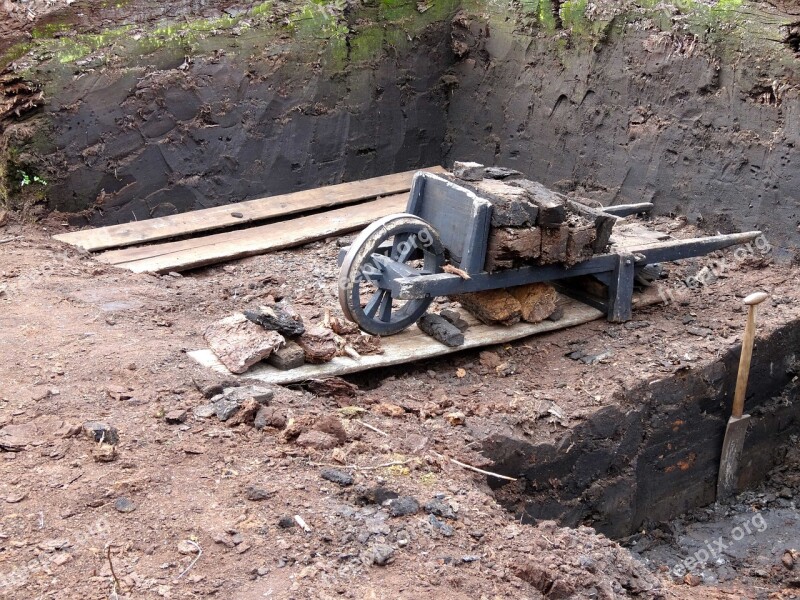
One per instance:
(374, 303)
(399, 244)
(386, 307)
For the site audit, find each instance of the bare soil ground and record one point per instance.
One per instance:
(81, 341)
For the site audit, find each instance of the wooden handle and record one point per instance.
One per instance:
(751, 301)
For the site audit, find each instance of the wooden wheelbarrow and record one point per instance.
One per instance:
(393, 270)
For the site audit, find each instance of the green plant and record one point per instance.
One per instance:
(26, 179)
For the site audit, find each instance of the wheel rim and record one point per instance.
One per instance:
(364, 300)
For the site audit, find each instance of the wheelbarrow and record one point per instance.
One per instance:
(394, 268)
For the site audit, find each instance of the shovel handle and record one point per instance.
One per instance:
(752, 301)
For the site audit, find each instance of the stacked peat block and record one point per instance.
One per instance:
(531, 224)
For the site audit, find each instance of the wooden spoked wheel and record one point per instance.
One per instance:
(398, 245)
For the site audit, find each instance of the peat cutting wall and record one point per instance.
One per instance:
(657, 454)
(163, 117)
(698, 113)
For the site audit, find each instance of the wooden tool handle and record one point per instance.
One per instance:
(751, 301)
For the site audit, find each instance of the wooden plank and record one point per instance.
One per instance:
(221, 247)
(197, 221)
(409, 346)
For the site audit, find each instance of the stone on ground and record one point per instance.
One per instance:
(239, 343)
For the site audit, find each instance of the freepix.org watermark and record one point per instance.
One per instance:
(716, 268)
(714, 548)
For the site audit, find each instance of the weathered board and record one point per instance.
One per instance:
(230, 245)
(241, 213)
(410, 345)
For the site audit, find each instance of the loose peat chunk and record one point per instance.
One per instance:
(537, 301)
(239, 343)
(455, 318)
(318, 344)
(491, 306)
(501, 173)
(290, 356)
(274, 318)
(468, 171)
(441, 330)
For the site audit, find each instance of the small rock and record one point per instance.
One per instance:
(15, 438)
(242, 548)
(53, 545)
(204, 411)
(692, 579)
(175, 417)
(224, 539)
(376, 495)
(456, 418)
(256, 493)
(289, 357)
(239, 343)
(246, 413)
(124, 505)
(331, 425)
(15, 497)
(118, 392)
(786, 493)
(269, 416)
(101, 432)
(317, 440)
(260, 394)
(104, 453)
(388, 410)
(440, 509)
(319, 344)
(699, 331)
(381, 554)
(187, 547)
(788, 560)
(338, 477)
(403, 506)
(193, 449)
(470, 558)
(440, 526)
(225, 408)
(286, 522)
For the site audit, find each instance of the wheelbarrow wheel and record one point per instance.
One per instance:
(397, 243)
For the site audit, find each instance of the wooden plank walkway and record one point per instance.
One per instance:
(222, 247)
(410, 345)
(218, 217)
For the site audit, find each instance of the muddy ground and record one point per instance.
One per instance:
(82, 341)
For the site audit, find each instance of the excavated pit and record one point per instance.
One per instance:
(626, 110)
(656, 454)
